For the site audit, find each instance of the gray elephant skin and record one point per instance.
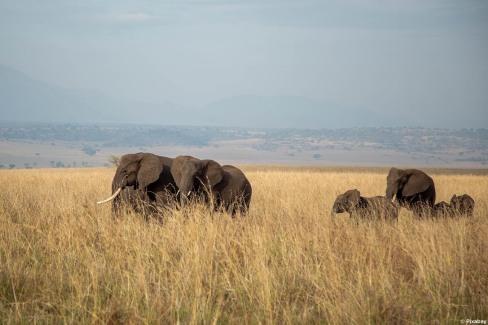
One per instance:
(227, 184)
(442, 209)
(463, 204)
(412, 188)
(378, 207)
(460, 205)
(143, 178)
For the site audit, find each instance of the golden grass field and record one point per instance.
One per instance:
(66, 260)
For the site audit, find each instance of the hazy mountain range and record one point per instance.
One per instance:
(23, 99)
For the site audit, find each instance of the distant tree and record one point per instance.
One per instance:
(317, 156)
(59, 164)
(2, 166)
(11, 166)
(89, 151)
(114, 160)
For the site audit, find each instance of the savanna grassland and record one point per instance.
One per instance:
(66, 260)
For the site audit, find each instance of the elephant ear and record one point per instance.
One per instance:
(417, 183)
(352, 198)
(150, 167)
(213, 172)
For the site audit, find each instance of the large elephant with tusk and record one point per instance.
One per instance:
(143, 179)
(225, 186)
(412, 188)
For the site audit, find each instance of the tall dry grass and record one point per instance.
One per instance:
(65, 260)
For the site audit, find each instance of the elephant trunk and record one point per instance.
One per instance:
(185, 189)
(390, 192)
(119, 181)
(118, 184)
(111, 197)
(184, 196)
(183, 199)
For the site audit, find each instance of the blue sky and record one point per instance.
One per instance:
(416, 57)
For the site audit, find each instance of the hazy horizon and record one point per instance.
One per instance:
(415, 59)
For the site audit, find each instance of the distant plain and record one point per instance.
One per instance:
(68, 145)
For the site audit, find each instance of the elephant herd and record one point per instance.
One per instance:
(412, 189)
(145, 180)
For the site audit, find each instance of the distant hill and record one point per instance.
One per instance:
(290, 112)
(24, 99)
(28, 100)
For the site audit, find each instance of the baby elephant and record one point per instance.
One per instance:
(460, 205)
(378, 207)
(442, 209)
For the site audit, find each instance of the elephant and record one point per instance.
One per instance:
(442, 209)
(459, 205)
(462, 204)
(412, 188)
(378, 207)
(226, 186)
(143, 180)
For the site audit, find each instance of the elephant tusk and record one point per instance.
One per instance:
(189, 192)
(112, 197)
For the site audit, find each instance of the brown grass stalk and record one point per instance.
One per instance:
(63, 259)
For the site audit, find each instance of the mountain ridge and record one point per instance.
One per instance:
(25, 99)
(289, 111)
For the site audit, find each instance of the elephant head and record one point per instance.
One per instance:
(346, 202)
(406, 182)
(194, 175)
(463, 204)
(137, 171)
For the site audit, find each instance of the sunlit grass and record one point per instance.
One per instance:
(65, 259)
